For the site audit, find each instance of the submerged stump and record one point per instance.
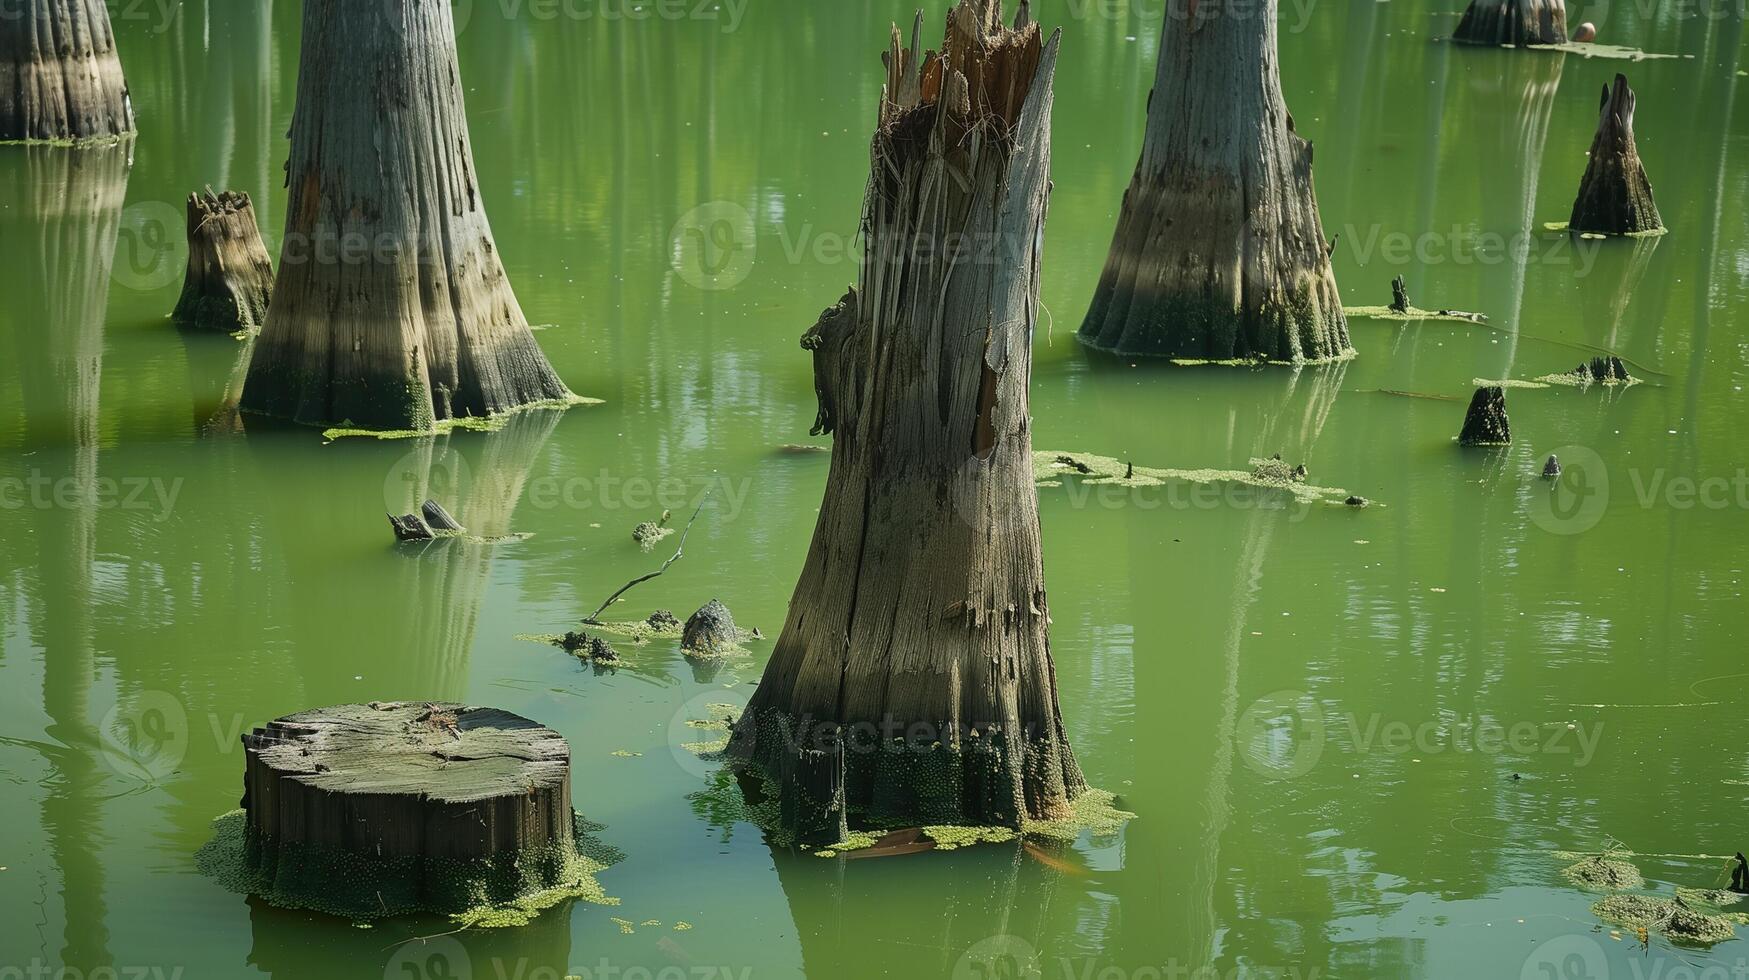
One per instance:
(376, 809)
(1486, 423)
(230, 277)
(915, 656)
(60, 76)
(1219, 252)
(392, 310)
(710, 631)
(1615, 197)
(1513, 22)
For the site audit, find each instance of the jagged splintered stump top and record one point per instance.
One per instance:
(1615, 196)
(920, 613)
(229, 277)
(406, 805)
(1513, 22)
(1219, 252)
(60, 76)
(392, 309)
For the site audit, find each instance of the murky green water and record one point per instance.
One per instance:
(1321, 714)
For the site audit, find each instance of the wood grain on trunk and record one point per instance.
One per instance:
(1615, 196)
(60, 76)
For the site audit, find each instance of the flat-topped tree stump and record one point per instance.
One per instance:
(60, 76)
(392, 310)
(1615, 197)
(1219, 252)
(1513, 22)
(230, 276)
(920, 613)
(376, 809)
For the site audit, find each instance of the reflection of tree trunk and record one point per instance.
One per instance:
(68, 224)
(1220, 251)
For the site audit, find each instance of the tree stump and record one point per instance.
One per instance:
(439, 519)
(1219, 252)
(711, 630)
(392, 310)
(1486, 423)
(1399, 295)
(60, 76)
(230, 277)
(1615, 198)
(1513, 22)
(373, 809)
(920, 613)
(811, 794)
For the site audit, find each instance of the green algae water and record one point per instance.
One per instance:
(1361, 741)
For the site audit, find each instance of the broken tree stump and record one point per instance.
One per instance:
(230, 277)
(1615, 197)
(375, 809)
(710, 631)
(1607, 370)
(1486, 423)
(1399, 296)
(409, 527)
(439, 519)
(1513, 22)
(60, 76)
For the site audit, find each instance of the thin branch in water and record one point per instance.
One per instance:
(593, 619)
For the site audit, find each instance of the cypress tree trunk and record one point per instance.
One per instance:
(60, 76)
(1513, 22)
(392, 309)
(229, 276)
(1615, 198)
(920, 614)
(1219, 251)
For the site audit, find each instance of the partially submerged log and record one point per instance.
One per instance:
(230, 277)
(371, 809)
(1615, 197)
(409, 527)
(710, 631)
(60, 76)
(440, 519)
(392, 310)
(921, 607)
(1513, 22)
(1486, 423)
(1219, 252)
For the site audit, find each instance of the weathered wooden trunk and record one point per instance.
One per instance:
(1615, 197)
(916, 646)
(60, 76)
(1486, 423)
(1219, 252)
(1513, 22)
(406, 805)
(230, 277)
(392, 309)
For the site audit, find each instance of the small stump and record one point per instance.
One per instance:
(230, 276)
(1487, 424)
(710, 631)
(367, 810)
(1615, 196)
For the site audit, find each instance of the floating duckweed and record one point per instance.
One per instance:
(625, 925)
(1049, 468)
(651, 922)
(1514, 383)
(625, 753)
(1413, 314)
(489, 423)
(710, 748)
(949, 837)
(501, 891)
(1094, 810)
(1603, 874)
(1672, 917)
(1716, 897)
(682, 926)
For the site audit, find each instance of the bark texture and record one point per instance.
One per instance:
(1615, 198)
(915, 658)
(1219, 251)
(403, 794)
(1513, 22)
(230, 277)
(60, 76)
(392, 309)
(1486, 424)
